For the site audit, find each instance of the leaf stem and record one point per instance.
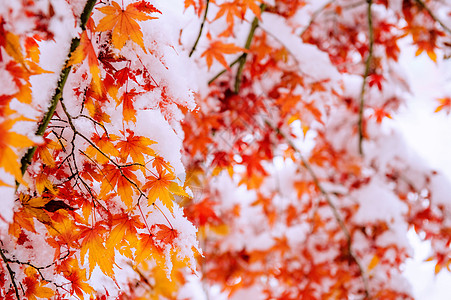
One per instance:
(26, 159)
(200, 30)
(365, 75)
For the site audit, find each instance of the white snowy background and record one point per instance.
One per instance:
(429, 134)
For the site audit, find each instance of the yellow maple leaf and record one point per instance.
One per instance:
(163, 188)
(98, 253)
(123, 23)
(146, 248)
(9, 160)
(42, 182)
(135, 147)
(105, 144)
(14, 49)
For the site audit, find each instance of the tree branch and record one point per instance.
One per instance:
(365, 76)
(26, 159)
(201, 28)
(11, 273)
(315, 15)
(433, 16)
(223, 71)
(242, 58)
(334, 209)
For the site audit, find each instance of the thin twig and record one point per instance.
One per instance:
(365, 76)
(276, 38)
(11, 273)
(223, 71)
(69, 117)
(201, 28)
(26, 159)
(242, 59)
(433, 16)
(334, 209)
(135, 185)
(315, 15)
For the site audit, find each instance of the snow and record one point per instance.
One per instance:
(312, 61)
(6, 210)
(376, 203)
(427, 132)
(150, 123)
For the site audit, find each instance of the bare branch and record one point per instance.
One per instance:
(315, 15)
(365, 76)
(201, 28)
(11, 273)
(433, 16)
(242, 59)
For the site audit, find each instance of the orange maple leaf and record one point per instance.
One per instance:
(119, 178)
(163, 188)
(164, 233)
(145, 248)
(217, 50)
(380, 114)
(32, 47)
(252, 5)
(34, 287)
(77, 278)
(287, 102)
(104, 144)
(125, 228)
(236, 9)
(159, 188)
(86, 50)
(128, 110)
(159, 163)
(445, 103)
(135, 147)
(124, 23)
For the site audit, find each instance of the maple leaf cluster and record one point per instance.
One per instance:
(243, 141)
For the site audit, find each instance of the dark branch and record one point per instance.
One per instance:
(201, 28)
(11, 274)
